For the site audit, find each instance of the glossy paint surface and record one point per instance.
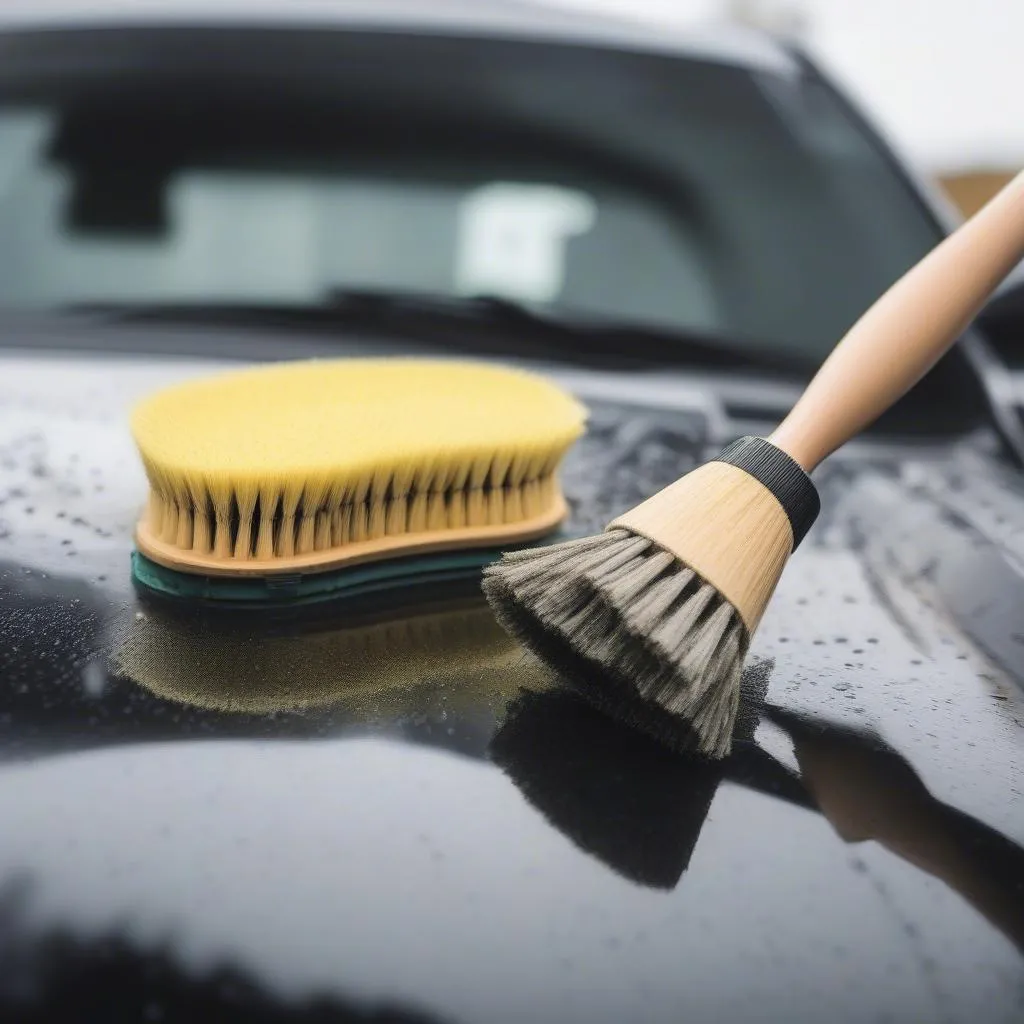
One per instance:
(391, 813)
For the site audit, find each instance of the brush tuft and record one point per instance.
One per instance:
(619, 607)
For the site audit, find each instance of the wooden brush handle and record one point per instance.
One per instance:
(906, 331)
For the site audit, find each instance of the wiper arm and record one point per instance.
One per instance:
(475, 307)
(625, 341)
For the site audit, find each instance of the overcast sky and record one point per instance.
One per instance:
(945, 78)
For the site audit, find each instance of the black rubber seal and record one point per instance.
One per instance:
(782, 475)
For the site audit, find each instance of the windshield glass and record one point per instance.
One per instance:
(673, 193)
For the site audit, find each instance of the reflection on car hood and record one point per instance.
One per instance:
(398, 813)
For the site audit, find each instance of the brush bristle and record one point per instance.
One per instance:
(305, 458)
(621, 610)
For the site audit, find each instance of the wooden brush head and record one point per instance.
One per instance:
(734, 521)
(312, 465)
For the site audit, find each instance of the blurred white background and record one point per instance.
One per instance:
(944, 78)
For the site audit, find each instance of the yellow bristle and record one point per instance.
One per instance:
(155, 512)
(424, 476)
(496, 508)
(476, 506)
(513, 503)
(246, 496)
(457, 517)
(479, 469)
(457, 475)
(359, 487)
(183, 538)
(500, 465)
(518, 467)
(360, 525)
(322, 541)
(169, 532)
(376, 520)
(305, 540)
(311, 464)
(341, 526)
(395, 516)
(223, 544)
(437, 512)
(417, 514)
(202, 535)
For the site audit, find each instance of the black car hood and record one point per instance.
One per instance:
(400, 816)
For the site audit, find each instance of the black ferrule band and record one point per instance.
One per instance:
(782, 475)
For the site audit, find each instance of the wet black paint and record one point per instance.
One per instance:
(475, 845)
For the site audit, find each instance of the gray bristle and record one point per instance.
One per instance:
(654, 603)
(625, 606)
(682, 618)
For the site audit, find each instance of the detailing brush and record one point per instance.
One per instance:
(664, 603)
(276, 481)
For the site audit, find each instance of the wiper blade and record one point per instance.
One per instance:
(340, 308)
(487, 307)
(469, 323)
(625, 341)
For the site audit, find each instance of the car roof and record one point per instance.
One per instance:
(506, 18)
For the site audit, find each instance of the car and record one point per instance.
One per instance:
(385, 810)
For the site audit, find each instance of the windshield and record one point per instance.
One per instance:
(671, 193)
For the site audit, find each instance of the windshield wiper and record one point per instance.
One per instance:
(470, 323)
(621, 341)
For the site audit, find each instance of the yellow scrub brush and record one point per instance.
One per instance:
(300, 480)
